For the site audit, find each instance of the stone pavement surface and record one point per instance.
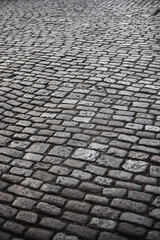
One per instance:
(80, 119)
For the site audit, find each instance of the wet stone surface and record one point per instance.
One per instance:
(79, 120)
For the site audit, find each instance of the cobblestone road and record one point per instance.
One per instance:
(80, 120)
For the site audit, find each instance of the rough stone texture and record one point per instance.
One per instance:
(155, 213)
(135, 166)
(155, 171)
(96, 199)
(109, 161)
(114, 192)
(78, 206)
(82, 232)
(137, 219)
(38, 148)
(48, 209)
(52, 223)
(105, 212)
(5, 236)
(156, 202)
(62, 236)
(153, 235)
(23, 191)
(24, 203)
(75, 217)
(28, 217)
(110, 236)
(37, 233)
(129, 205)
(67, 181)
(81, 175)
(5, 197)
(11, 152)
(103, 223)
(7, 211)
(104, 181)
(61, 151)
(14, 227)
(85, 154)
(132, 230)
(79, 119)
(58, 201)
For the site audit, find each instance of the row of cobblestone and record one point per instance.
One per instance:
(79, 120)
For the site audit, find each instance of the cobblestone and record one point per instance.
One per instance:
(60, 170)
(90, 187)
(75, 217)
(62, 236)
(140, 196)
(76, 194)
(103, 224)
(156, 202)
(38, 148)
(152, 189)
(5, 197)
(104, 181)
(37, 233)
(155, 213)
(132, 230)
(50, 188)
(5, 236)
(153, 235)
(51, 223)
(21, 171)
(105, 212)
(58, 201)
(7, 211)
(129, 205)
(43, 176)
(67, 181)
(109, 161)
(137, 219)
(28, 217)
(135, 166)
(79, 120)
(24, 203)
(81, 175)
(61, 151)
(111, 236)
(25, 192)
(96, 170)
(82, 232)
(84, 154)
(78, 206)
(145, 180)
(96, 199)
(155, 171)
(119, 174)
(48, 209)
(11, 152)
(14, 227)
(114, 192)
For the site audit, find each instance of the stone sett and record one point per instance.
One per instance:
(79, 120)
